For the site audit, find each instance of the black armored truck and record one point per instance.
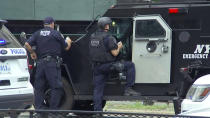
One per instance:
(168, 41)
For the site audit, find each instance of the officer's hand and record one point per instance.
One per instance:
(68, 40)
(120, 45)
(33, 56)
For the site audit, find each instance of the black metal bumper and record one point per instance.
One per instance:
(18, 101)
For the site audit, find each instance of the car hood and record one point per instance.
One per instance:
(204, 112)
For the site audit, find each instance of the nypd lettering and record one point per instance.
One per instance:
(12, 52)
(201, 52)
(94, 43)
(17, 51)
(44, 33)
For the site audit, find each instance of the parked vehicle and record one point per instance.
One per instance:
(198, 113)
(16, 91)
(167, 41)
(198, 95)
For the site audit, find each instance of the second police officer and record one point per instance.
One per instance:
(49, 45)
(103, 51)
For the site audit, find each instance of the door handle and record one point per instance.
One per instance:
(150, 55)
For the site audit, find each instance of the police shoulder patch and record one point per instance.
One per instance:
(45, 33)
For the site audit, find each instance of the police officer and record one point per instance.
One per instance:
(49, 45)
(103, 51)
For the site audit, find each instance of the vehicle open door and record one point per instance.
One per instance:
(152, 39)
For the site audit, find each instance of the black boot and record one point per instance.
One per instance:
(130, 92)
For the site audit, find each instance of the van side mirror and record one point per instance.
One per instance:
(23, 38)
(23, 35)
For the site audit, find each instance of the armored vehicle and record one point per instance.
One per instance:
(167, 41)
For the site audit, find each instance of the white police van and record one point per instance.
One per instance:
(16, 91)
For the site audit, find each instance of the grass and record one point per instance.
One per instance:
(139, 107)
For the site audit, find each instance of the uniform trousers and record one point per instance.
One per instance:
(101, 72)
(48, 75)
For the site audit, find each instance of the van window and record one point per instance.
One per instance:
(149, 29)
(6, 35)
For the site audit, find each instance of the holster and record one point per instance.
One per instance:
(119, 67)
(57, 59)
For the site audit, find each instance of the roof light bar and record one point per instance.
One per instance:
(2, 42)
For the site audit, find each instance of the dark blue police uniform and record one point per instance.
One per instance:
(49, 45)
(102, 70)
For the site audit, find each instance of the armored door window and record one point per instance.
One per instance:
(149, 29)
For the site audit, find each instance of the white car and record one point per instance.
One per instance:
(201, 112)
(198, 95)
(16, 91)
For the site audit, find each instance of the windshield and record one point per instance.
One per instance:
(11, 41)
(198, 93)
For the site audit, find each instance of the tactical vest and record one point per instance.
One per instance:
(98, 49)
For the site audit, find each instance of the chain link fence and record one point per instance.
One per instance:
(79, 114)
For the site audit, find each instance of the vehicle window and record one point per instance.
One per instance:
(122, 30)
(191, 92)
(11, 41)
(149, 29)
(121, 27)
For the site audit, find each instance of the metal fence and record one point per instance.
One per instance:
(78, 114)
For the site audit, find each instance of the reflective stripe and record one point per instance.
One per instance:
(13, 57)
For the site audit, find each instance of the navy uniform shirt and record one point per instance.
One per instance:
(110, 43)
(48, 42)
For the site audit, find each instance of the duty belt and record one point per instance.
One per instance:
(51, 58)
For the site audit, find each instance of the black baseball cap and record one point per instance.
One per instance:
(48, 20)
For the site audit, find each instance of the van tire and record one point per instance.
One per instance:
(68, 98)
(67, 101)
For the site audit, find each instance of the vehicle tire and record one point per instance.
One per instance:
(67, 101)
(68, 98)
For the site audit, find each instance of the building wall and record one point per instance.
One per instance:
(82, 10)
